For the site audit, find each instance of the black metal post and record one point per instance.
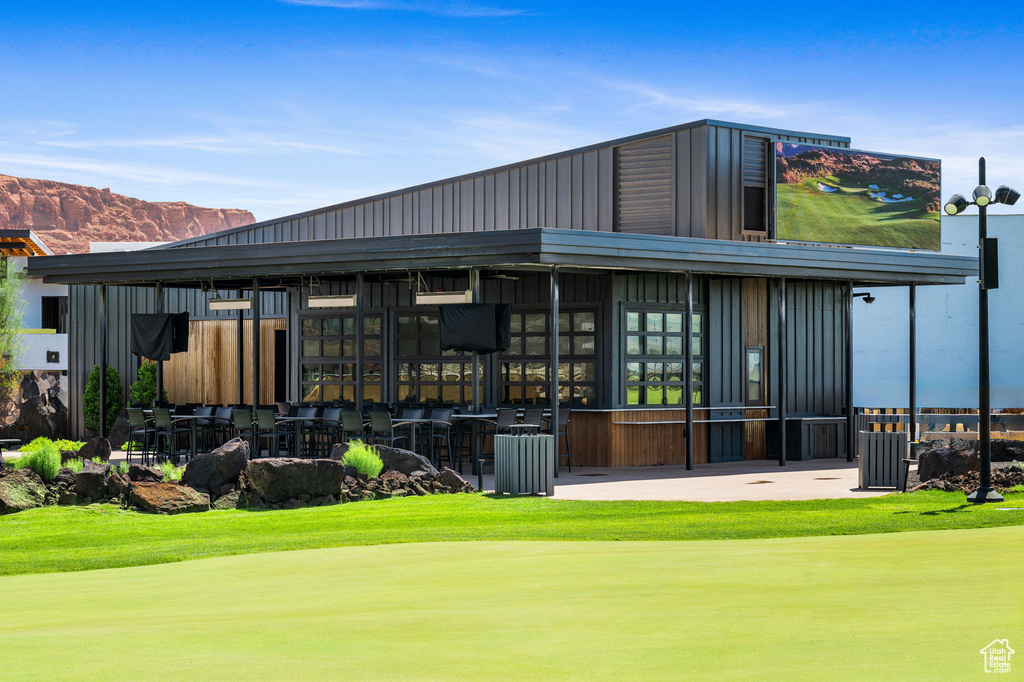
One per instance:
(688, 370)
(474, 285)
(159, 363)
(782, 371)
(985, 491)
(554, 360)
(359, 342)
(851, 427)
(103, 360)
(912, 412)
(240, 351)
(255, 344)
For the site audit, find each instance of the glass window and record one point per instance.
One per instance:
(755, 375)
(421, 374)
(657, 341)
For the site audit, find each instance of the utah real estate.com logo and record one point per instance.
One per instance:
(997, 656)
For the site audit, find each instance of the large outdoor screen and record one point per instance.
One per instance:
(845, 196)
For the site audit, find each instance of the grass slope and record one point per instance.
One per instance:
(79, 538)
(896, 607)
(849, 216)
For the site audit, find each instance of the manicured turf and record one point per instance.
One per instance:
(849, 216)
(894, 607)
(79, 538)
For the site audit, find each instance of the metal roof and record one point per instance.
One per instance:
(284, 263)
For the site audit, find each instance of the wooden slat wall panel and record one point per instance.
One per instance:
(598, 441)
(208, 372)
(755, 331)
(725, 373)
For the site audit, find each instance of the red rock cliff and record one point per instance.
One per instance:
(67, 217)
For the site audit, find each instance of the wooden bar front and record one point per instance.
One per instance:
(616, 438)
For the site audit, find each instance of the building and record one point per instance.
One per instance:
(947, 330)
(647, 270)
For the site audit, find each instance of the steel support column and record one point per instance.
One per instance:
(255, 344)
(159, 399)
(240, 353)
(103, 360)
(781, 342)
(851, 427)
(912, 341)
(474, 285)
(359, 342)
(688, 370)
(554, 360)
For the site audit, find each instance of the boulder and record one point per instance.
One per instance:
(139, 472)
(945, 461)
(91, 481)
(20, 490)
(277, 479)
(117, 485)
(65, 478)
(450, 479)
(96, 448)
(1007, 450)
(230, 501)
(223, 466)
(338, 451)
(167, 498)
(65, 455)
(404, 461)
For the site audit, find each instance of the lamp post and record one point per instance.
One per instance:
(988, 266)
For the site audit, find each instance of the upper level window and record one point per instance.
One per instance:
(54, 313)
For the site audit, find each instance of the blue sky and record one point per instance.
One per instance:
(279, 106)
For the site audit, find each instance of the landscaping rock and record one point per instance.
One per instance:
(277, 479)
(945, 461)
(91, 481)
(338, 451)
(934, 484)
(451, 480)
(404, 461)
(210, 472)
(65, 455)
(96, 447)
(167, 498)
(1007, 450)
(394, 477)
(65, 478)
(117, 485)
(138, 472)
(229, 501)
(67, 499)
(20, 490)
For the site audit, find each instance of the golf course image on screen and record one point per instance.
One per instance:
(845, 196)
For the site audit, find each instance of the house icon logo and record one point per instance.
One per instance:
(997, 656)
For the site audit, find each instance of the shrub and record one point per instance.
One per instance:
(42, 457)
(91, 399)
(133, 445)
(75, 464)
(363, 458)
(170, 472)
(122, 468)
(143, 391)
(69, 445)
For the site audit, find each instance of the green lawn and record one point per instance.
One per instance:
(80, 538)
(849, 216)
(909, 606)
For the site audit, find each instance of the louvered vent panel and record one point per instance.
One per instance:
(644, 171)
(755, 172)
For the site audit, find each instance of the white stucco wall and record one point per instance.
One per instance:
(947, 330)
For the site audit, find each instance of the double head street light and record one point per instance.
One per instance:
(988, 265)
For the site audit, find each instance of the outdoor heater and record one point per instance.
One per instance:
(443, 297)
(338, 301)
(989, 271)
(230, 303)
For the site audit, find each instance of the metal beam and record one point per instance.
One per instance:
(474, 285)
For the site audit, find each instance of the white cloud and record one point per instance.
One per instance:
(159, 175)
(462, 10)
(224, 145)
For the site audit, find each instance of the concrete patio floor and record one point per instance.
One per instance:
(727, 482)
